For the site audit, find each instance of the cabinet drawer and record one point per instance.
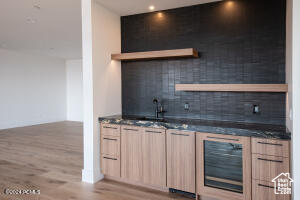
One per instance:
(262, 190)
(270, 147)
(110, 129)
(266, 168)
(110, 145)
(110, 166)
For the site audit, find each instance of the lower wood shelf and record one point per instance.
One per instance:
(233, 87)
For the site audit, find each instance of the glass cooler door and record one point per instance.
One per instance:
(223, 165)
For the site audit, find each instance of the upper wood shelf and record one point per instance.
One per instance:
(150, 55)
(233, 87)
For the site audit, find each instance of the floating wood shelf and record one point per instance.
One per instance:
(233, 87)
(150, 55)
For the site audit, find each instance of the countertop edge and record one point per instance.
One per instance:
(279, 135)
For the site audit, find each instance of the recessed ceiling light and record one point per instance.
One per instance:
(151, 7)
(30, 21)
(37, 7)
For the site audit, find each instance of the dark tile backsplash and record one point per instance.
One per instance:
(242, 42)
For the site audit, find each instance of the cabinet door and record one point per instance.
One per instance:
(181, 160)
(131, 153)
(154, 157)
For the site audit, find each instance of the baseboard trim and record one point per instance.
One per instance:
(91, 176)
(134, 183)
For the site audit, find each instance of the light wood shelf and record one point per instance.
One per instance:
(233, 87)
(151, 55)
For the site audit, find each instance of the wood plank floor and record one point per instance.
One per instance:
(49, 158)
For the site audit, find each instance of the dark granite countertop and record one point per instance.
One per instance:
(219, 127)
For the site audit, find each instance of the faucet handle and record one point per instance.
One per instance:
(162, 110)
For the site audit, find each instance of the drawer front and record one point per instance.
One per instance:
(110, 166)
(262, 190)
(110, 145)
(266, 168)
(270, 147)
(110, 130)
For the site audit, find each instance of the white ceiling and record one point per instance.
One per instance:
(53, 30)
(130, 7)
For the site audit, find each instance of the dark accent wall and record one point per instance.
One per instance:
(240, 41)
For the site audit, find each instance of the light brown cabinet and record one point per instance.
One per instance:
(110, 150)
(161, 159)
(181, 160)
(143, 153)
(270, 158)
(154, 157)
(132, 153)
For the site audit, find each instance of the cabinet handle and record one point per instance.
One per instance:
(110, 158)
(152, 131)
(270, 143)
(261, 185)
(109, 139)
(110, 127)
(129, 129)
(279, 161)
(230, 139)
(181, 134)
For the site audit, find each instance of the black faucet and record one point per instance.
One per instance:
(158, 109)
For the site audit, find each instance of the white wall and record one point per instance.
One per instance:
(288, 67)
(296, 97)
(101, 79)
(106, 72)
(289, 78)
(32, 89)
(74, 90)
